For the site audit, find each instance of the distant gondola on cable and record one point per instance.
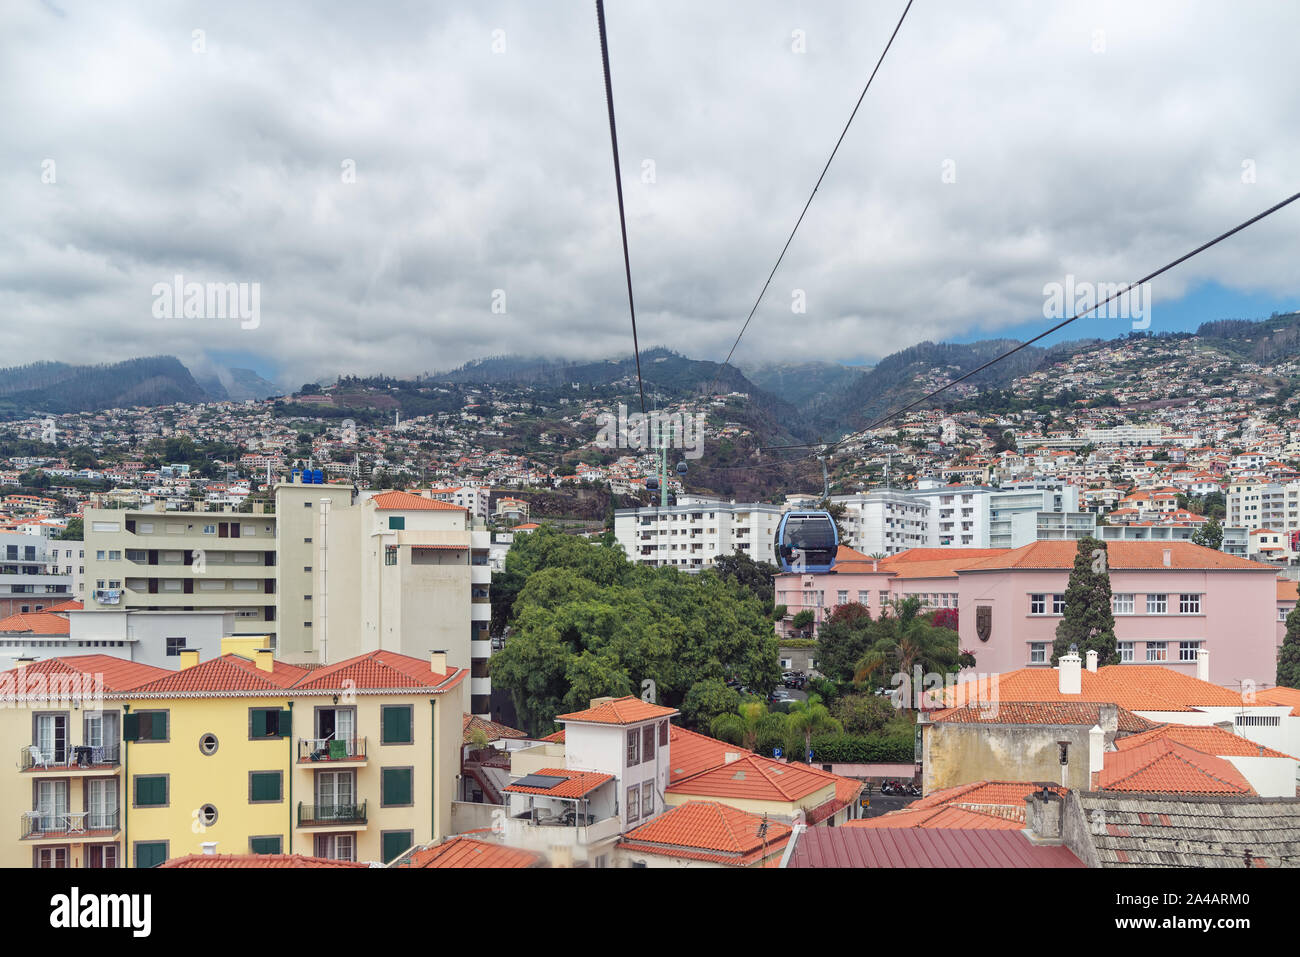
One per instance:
(807, 542)
(652, 485)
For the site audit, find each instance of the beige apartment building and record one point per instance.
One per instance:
(332, 574)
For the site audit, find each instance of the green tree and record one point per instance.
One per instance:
(803, 621)
(863, 713)
(755, 577)
(706, 700)
(75, 531)
(843, 639)
(905, 640)
(1210, 534)
(810, 717)
(1088, 621)
(740, 726)
(1288, 656)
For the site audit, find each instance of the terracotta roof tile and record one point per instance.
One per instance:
(1280, 696)
(494, 730)
(1165, 766)
(1208, 739)
(35, 623)
(230, 672)
(1119, 555)
(1042, 712)
(754, 778)
(576, 784)
(1135, 687)
(945, 816)
(469, 852)
(256, 860)
(406, 502)
(377, 670)
(693, 752)
(707, 830)
(627, 710)
(38, 677)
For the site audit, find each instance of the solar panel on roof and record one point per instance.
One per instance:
(543, 781)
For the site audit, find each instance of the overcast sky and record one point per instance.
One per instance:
(1096, 139)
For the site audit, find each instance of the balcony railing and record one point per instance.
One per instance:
(69, 757)
(332, 749)
(319, 815)
(39, 824)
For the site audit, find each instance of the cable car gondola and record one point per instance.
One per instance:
(806, 542)
(652, 485)
(681, 468)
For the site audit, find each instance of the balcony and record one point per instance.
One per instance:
(332, 750)
(341, 816)
(65, 825)
(77, 760)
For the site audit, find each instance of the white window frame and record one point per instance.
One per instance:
(1189, 604)
(1126, 651)
(1157, 651)
(1058, 605)
(1158, 604)
(1038, 652)
(1038, 603)
(1123, 603)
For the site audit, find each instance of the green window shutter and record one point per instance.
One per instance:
(131, 727)
(150, 855)
(264, 845)
(396, 522)
(150, 791)
(396, 786)
(259, 723)
(396, 843)
(286, 723)
(266, 786)
(397, 724)
(159, 726)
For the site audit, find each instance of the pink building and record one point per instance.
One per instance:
(1170, 600)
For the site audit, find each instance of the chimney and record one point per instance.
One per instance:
(438, 661)
(1043, 816)
(264, 658)
(1203, 664)
(1069, 674)
(1168, 558)
(209, 848)
(1096, 749)
(189, 658)
(1108, 718)
(1091, 658)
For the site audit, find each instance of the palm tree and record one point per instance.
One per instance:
(906, 641)
(810, 717)
(741, 726)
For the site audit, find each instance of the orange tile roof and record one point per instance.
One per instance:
(494, 730)
(34, 623)
(693, 752)
(469, 852)
(379, 670)
(627, 710)
(1280, 696)
(1134, 687)
(70, 605)
(1041, 712)
(39, 678)
(557, 737)
(753, 778)
(707, 830)
(982, 795)
(576, 784)
(1208, 739)
(1166, 766)
(1119, 555)
(229, 673)
(1287, 590)
(942, 816)
(256, 860)
(406, 502)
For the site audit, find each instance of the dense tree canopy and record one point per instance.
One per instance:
(1288, 656)
(1088, 621)
(585, 622)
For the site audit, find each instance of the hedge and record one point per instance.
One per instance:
(858, 749)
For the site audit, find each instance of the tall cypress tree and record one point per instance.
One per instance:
(1288, 656)
(1088, 620)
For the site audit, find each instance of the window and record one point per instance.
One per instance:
(101, 855)
(336, 847)
(1121, 604)
(150, 853)
(633, 804)
(648, 742)
(396, 523)
(208, 744)
(395, 843)
(145, 726)
(1038, 653)
(51, 857)
(1282, 613)
(1037, 604)
(395, 787)
(841, 598)
(663, 733)
(265, 787)
(151, 790)
(114, 555)
(99, 555)
(1187, 650)
(209, 529)
(1125, 651)
(1189, 604)
(633, 747)
(1058, 604)
(1157, 605)
(395, 724)
(647, 798)
(207, 815)
(1157, 651)
(268, 723)
(265, 845)
(390, 554)
(175, 646)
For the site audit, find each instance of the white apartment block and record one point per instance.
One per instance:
(472, 498)
(36, 572)
(693, 533)
(1127, 435)
(1271, 505)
